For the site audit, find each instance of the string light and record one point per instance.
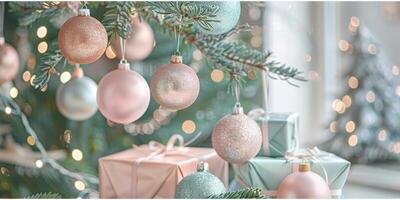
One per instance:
(217, 75)
(347, 101)
(7, 110)
(344, 45)
(32, 80)
(354, 21)
(77, 154)
(313, 75)
(350, 126)
(197, 55)
(339, 106)
(395, 70)
(353, 140)
(79, 185)
(257, 30)
(370, 96)
(67, 136)
(41, 32)
(4, 171)
(353, 82)
(398, 90)
(31, 62)
(30, 140)
(333, 127)
(44, 88)
(188, 126)
(26, 76)
(256, 41)
(396, 147)
(13, 92)
(110, 54)
(372, 49)
(382, 135)
(65, 77)
(42, 47)
(252, 74)
(39, 163)
(307, 58)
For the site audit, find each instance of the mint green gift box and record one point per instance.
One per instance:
(281, 135)
(267, 173)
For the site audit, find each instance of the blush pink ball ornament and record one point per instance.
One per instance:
(9, 62)
(175, 86)
(304, 184)
(236, 137)
(123, 95)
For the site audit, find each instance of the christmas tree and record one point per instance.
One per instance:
(365, 125)
(43, 152)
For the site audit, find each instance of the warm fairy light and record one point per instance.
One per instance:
(370, 96)
(188, 126)
(313, 75)
(344, 45)
(41, 32)
(307, 58)
(4, 171)
(67, 136)
(256, 41)
(30, 140)
(354, 21)
(31, 62)
(39, 164)
(65, 77)
(32, 80)
(197, 55)
(217, 75)
(352, 29)
(346, 100)
(26, 76)
(333, 126)
(339, 106)
(395, 70)
(252, 74)
(353, 82)
(7, 110)
(396, 147)
(110, 54)
(353, 140)
(334, 103)
(372, 49)
(256, 30)
(382, 135)
(44, 88)
(42, 47)
(13, 92)
(79, 185)
(77, 154)
(398, 90)
(350, 126)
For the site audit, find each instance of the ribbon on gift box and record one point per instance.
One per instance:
(310, 155)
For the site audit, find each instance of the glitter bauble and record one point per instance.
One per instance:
(140, 43)
(82, 39)
(175, 86)
(199, 185)
(236, 137)
(227, 15)
(9, 62)
(123, 95)
(304, 184)
(76, 99)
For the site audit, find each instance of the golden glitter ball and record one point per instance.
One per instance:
(217, 75)
(353, 140)
(188, 126)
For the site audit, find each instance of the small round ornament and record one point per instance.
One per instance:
(227, 15)
(82, 39)
(236, 137)
(304, 184)
(199, 185)
(76, 99)
(9, 62)
(123, 95)
(175, 86)
(140, 43)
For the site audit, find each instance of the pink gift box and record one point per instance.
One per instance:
(142, 172)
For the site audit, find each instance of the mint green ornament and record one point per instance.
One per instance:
(228, 15)
(199, 185)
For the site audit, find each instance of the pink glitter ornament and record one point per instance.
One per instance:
(9, 62)
(175, 86)
(123, 95)
(236, 137)
(304, 184)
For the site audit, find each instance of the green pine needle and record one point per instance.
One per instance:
(44, 195)
(248, 193)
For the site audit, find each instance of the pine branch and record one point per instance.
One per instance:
(47, 68)
(44, 195)
(248, 193)
(117, 19)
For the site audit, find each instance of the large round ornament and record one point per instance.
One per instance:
(304, 184)
(236, 137)
(228, 15)
(82, 39)
(9, 62)
(199, 185)
(175, 86)
(140, 43)
(76, 99)
(123, 95)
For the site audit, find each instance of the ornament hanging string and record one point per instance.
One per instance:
(234, 77)
(178, 35)
(122, 42)
(2, 15)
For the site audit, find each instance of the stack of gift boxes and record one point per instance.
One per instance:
(153, 171)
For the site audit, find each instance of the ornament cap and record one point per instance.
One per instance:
(304, 167)
(84, 12)
(77, 73)
(176, 59)
(238, 109)
(2, 40)
(124, 65)
(202, 166)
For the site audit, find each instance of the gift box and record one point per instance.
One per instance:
(267, 173)
(280, 132)
(154, 170)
